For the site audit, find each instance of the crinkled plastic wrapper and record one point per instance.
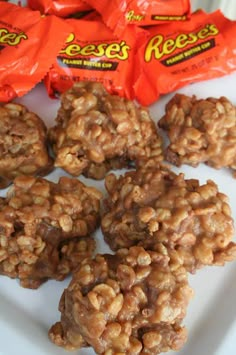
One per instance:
(62, 8)
(173, 56)
(27, 48)
(93, 53)
(117, 14)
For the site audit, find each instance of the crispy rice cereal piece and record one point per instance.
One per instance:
(45, 228)
(96, 132)
(128, 303)
(23, 144)
(150, 206)
(200, 131)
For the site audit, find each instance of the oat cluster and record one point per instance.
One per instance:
(128, 303)
(200, 131)
(156, 208)
(46, 228)
(23, 144)
(97, 132)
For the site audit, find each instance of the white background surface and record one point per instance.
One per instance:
(227, 6)
(26, 315)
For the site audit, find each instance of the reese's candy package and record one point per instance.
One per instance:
(62, 8)
(92, 52)
(27, 48)
(119, 13)
(174, 56)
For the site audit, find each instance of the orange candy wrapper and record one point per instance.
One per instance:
(117, 14)
(173, 56)
(27, 48)
(92, 52)
(62, 8)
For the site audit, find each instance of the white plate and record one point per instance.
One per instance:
(26, 315)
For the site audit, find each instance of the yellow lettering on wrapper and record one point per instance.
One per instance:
(158, 47)
(109, 50)
(131, 16)
(11, 38)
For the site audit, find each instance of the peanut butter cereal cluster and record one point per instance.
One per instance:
(200, 131)
(23, 144)
(97, 132)
(46, 228)
(156, 208)
(128, 303)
